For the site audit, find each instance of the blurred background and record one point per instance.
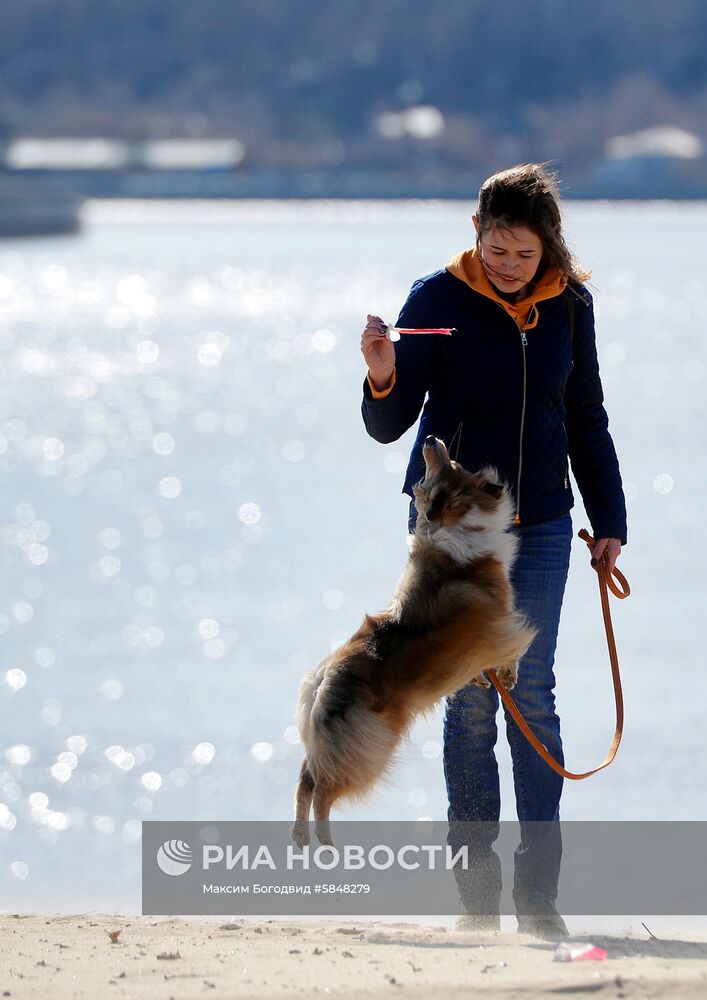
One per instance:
(200, 202)
(400, 98)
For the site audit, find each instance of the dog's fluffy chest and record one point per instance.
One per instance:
(434, 586)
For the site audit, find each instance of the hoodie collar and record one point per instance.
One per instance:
(468, 268)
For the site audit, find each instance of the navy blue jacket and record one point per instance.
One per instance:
(523, 407)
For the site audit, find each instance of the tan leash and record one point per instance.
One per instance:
(605, 584)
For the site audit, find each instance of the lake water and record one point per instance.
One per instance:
(191, 515)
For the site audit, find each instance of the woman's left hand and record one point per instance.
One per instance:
(609, 549)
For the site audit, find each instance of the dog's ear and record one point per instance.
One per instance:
(437, 505)
(493, 489)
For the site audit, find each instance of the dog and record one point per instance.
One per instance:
(451, 618)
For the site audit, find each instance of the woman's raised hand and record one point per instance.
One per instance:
(378, 351)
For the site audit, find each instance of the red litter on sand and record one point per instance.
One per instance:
(396, 332)
(579, 953)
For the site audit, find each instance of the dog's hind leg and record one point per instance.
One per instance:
(324, 796)
(303, 803)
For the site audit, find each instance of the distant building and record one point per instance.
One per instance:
(659, 162)
(190, 154)
(66, 154)
(660, 141)
(112, 154)
(107, 168)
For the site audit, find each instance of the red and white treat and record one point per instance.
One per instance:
(396, 332)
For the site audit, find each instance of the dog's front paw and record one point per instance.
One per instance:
(508, 675)
(481, 681)
(300, 833)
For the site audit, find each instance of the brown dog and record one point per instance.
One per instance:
(451, 618)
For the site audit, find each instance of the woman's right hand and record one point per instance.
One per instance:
(378, 351)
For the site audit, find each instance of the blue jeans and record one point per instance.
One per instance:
(538, 576)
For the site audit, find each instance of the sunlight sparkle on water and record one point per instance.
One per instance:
(293, 451)
(108, 566)
(153, 636)
(262, 751)
(103, 824)
(110, 538)
(19, 754)
(132, 831)
(37, 554)
(663, 483)
(121, 757)
(23, 612)
(147, 352)
(170, 487)
(51, 712)
(42, 814)
(208, 628)
(61, 771)
(204, 753)
(209, 354)
(324, 341)
(249, 513)
(8, 820)
(15, 678)
(214, 649)
(163, 444)
(112, 690)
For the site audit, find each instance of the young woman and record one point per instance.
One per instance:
(516, 386)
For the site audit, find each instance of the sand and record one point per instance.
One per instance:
(162, 957)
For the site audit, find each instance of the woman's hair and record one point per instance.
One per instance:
(528, 195)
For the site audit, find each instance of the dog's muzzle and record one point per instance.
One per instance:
(434, 452)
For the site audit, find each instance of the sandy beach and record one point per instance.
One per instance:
(96, 956)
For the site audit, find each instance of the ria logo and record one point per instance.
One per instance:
(174, 857)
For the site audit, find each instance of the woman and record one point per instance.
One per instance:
(516, 386)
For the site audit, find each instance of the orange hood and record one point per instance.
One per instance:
(468, 268)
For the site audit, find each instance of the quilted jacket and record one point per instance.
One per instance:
(528, 402)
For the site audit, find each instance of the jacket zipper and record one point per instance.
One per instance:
(567, 469)
(524, 343)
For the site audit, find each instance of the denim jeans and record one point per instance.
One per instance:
(538, 576)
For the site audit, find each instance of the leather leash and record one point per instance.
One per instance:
(605, 583)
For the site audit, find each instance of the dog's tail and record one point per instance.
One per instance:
(520, 634)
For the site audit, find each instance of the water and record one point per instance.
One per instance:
(191, 515)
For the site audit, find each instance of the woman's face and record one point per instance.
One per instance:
(510, 255)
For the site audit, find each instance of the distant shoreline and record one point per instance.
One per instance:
(312, 184)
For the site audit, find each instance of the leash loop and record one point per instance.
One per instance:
(621, 590)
